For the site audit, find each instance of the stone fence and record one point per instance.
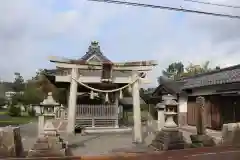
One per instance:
(220, 153)
(10, 142)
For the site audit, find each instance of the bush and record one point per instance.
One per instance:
(14, 111)
(31, 112)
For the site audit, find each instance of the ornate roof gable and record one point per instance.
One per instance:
(94, 53)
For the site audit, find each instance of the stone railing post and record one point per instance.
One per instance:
(201, 128)
(161, 117)
(41, 123)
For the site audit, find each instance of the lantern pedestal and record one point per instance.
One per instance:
(169, 138)
(41, 123)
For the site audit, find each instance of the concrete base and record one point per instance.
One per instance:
(107, 130)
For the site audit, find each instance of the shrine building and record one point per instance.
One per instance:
(95, 85)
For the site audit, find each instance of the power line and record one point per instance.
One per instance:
(167, 8)
(214, 4)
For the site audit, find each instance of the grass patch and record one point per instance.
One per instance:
(17, 120)
(24, 119)
(3, 112)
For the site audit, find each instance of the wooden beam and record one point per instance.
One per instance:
(92, 79)
(116, 64)
(116, 68)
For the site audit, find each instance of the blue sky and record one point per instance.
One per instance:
(36, 29)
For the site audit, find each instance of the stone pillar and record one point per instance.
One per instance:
(161, 117)
(62, 112)
(201, 128)
(72, 102)
(93, 122)
(116, 110)
(182, 110)
(40, 124)
(136, 112)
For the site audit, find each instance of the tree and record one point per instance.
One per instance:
(192, 69)
(32, 95)
(43, 84)
(2, 101)
(18, 84)
(17, 98)
(173, 71)
(176, 70)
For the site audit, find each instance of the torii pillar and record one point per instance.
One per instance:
(137, 129)
(72, 101)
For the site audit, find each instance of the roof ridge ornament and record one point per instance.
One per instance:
(94, 48)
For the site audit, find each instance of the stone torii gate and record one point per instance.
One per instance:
(138, 75)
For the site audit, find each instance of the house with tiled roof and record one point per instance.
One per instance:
(221, 89)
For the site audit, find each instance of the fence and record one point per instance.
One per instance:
(97, 115)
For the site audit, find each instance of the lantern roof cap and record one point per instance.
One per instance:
(169, 100)
(160, 106)
(49, 101)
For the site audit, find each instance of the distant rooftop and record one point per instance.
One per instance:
(219, 76)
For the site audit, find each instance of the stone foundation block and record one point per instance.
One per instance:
(10, 142)
(49, 145)
(168, 140)
(202, 140)
(47, 153)
(231, 134)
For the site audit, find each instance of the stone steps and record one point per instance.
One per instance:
(50, 144)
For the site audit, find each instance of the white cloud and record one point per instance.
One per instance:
(33, 30)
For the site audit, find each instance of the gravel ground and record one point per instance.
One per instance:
(97, 144)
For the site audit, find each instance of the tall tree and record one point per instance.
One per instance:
(43, 83)
(192, 69)
(176, 70)
(18, 84)
(32, 95)
(173, 71)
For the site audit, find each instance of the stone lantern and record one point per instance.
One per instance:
(169, 138)
(171, 105)
(47, 108)
(48, 105)
(49, 143)
(161, 117)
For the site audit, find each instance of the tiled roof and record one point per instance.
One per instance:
(172, 86)
(94, 49)
(221, 76)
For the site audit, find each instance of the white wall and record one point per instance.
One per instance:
(182, 107)
(37, 110)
